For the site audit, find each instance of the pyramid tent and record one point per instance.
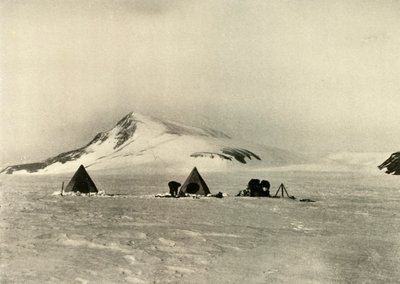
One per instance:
(81, 182)
(194, 184)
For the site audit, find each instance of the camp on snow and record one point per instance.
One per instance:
(194, 184)
(81, 182)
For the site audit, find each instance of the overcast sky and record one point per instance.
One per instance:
(309, 76)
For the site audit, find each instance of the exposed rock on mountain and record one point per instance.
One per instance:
(141, 142)
(391, 165)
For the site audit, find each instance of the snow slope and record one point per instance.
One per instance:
(141, 143)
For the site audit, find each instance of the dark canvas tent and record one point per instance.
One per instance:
(195, 184)
(81, 182)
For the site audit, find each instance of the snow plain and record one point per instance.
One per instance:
(350, 235)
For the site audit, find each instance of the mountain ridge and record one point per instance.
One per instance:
(140, 140)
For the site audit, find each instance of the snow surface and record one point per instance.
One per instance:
(349, 235)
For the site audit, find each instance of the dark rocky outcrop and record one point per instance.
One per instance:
(392, 165)
(211, 155)
(240, 154)
(128, 127)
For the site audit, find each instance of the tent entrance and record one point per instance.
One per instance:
(192, 188)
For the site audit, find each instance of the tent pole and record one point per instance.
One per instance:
(276, 194)
(287, 193)
(62, 188)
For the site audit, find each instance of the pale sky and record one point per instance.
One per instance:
(307, 76)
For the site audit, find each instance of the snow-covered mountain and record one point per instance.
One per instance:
(141, 143)
(392, 164)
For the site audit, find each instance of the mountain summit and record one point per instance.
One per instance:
(138, 142)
